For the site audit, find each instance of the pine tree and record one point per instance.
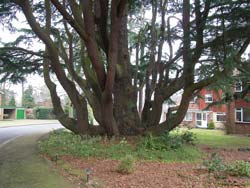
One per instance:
(12, 102)
(28, 99)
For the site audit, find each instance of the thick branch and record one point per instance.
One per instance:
(117, 11)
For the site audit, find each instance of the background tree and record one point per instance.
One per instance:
(8, 94)
(184, 47)
(28, 99)
(41, 95)
(12, 102)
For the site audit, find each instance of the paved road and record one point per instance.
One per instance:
(8, 134)
(20, 164)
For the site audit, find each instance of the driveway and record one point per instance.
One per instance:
(20, 164)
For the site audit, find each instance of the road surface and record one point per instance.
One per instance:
(7, 134)
(20, 164)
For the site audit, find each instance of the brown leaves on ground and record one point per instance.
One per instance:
(157, 174)
(230, 155)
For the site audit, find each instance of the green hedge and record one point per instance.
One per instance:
(45, 113)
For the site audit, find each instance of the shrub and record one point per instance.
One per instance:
(126, 166)
(174, 141)
(211, 125)
(188, 137)
(216, 166)
(239, 168)
(150, 142)
(167, 141)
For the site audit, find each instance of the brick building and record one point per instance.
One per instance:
(198, 115)
(237, 112)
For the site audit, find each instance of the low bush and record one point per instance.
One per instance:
(150, 142)
(216, 166)
(211, 125)
(220, 169)
(126, 165)
(167, 141)
(239, 168)
(188, 137)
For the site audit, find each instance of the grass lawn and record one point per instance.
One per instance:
(218, 139)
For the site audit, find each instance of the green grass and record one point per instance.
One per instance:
(183, 154)
(169, 148)
(218, 139)
(22, 168)
(66, 143)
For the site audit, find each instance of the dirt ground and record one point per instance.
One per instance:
(157, 174)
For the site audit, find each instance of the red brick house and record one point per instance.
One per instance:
(197, 114)
(240, 113)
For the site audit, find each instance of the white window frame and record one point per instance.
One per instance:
(207, 96)
(238, 89)
(219, 114)
(239, 110)
(188, 118)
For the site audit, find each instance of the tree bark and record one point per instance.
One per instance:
(125, 108)
(230, 118)
(149, 86)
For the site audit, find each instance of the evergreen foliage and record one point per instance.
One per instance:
(28, 99)
(12, 102)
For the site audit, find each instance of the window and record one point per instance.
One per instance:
(201, 119)
(193, 100)
(238, 114)
(208, 98)
(246, 114)
(242, 114)
(188, 116)
(238, 87)
(220, 117)
(198, 116)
